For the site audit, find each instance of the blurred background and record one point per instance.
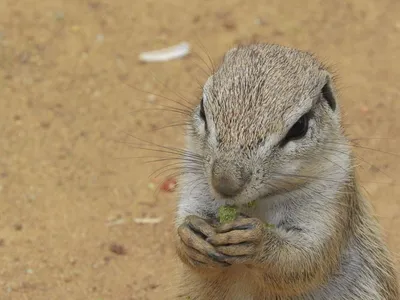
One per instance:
(82, 213)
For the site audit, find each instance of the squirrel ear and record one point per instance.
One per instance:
(328, 93)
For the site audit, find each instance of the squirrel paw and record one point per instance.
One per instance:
(194, 249)
(240, 241)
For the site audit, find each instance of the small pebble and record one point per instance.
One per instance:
(151, 98)
(153, 286)
(117, 249)
(75, 28)
(100, 38)
(169, 185)
(59, 15)
(72, 261)
(151, 186)
(31, 197)
(229, 25)
(259, 21)
(18, 227)
(94, 4)
(147, 220)
(116, 222)
(375, 169)
(29, 271)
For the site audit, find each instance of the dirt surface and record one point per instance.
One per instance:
(69, 78)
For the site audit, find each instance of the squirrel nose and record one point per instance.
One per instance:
(227, 179)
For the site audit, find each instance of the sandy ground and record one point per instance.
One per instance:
(70, 81)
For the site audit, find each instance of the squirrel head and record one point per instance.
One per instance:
(267, 123)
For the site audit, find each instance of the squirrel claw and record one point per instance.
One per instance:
(194, 248)
(240, 241)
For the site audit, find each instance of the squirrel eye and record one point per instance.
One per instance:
(298, 130)
(202, 113)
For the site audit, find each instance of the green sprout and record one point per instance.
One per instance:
(227, 214)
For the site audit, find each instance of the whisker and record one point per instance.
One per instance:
(366, 148)
(158, 95)
(188, 158)
(297, 187)
(164, 169)
(305, 176)
(334, 163)
(170, 126)
(200, 85)
(324, 179)
(176, 150)
(179, 171)
(202, 60)
(313, 190)
(201, 182)
(165, 108)
(212, 69)
(276, 187)
(141, 157)
(372, 138)
(181, 160)
(358, 157)
(133, 146)
(173, 91)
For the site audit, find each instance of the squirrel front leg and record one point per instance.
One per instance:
(290, 262)
(192, 247)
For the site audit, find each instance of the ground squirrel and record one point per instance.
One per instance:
(268, 130)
